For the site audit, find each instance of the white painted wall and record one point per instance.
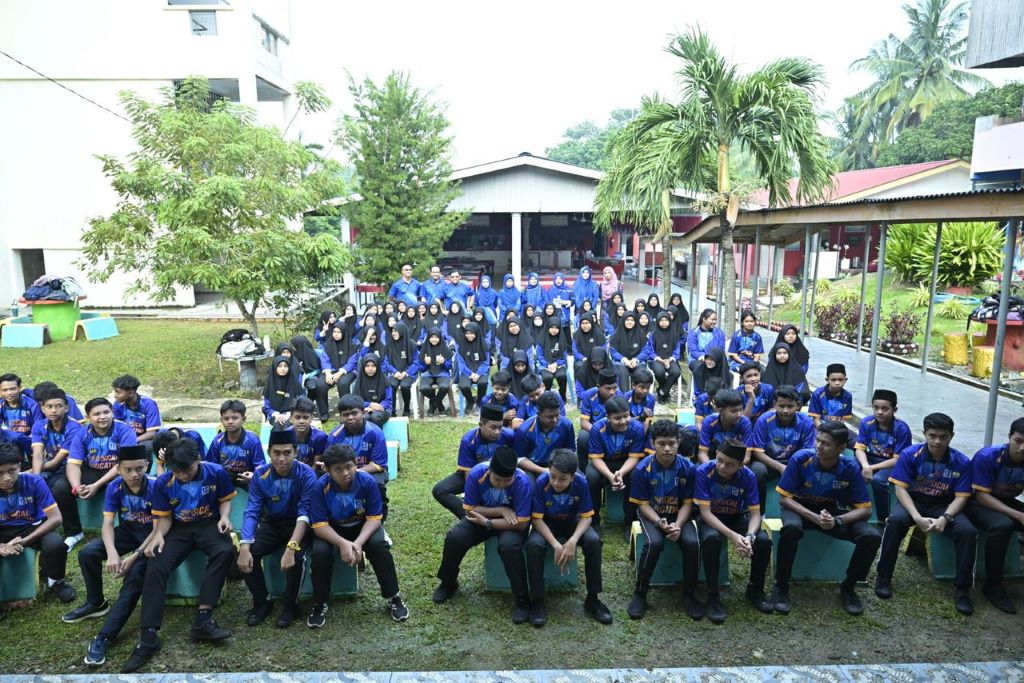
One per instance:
(953, 180)
(526, 190)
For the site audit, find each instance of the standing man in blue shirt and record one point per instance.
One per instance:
(824, 490)
(432, 289)
(457, 290)
(478, 445)
(880, 440)
(137, 411)
(277, 518)
(405, 288)
(539, 436)
(933, 486)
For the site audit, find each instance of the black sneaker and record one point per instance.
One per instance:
(999, 599)
(86, 611)
(397, 608)
(694, 607)
(962, 602)
(140, 656)
(883, 587)
(715, 609)
(287, 616)
(209, 631)
(64, 591)
(780, 600)
(317, 616)
(443, 592)
(758, 599)
(259, 613)
(597, 609)
(520, 609)
(850, 601)
(538, 615)
(637, 606)
(97, 654)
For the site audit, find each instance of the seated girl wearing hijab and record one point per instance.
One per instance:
(587, 336)
(783, 370)
(312, 374)
(511, 338)
(790, 335)
(552, 357)
(663, 353)
(372, 386)
(435, 366)
(280, 391)
(712, 365)
(400, 367)
(519, 367)
(335, 351)
(589, 372)
(327, 320)
(485, 298)
(627, 347)
(703, 336)
(474, 363)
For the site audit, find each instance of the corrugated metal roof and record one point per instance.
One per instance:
(889, 200)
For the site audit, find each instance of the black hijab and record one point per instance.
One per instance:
(588, 376)
(514, 342)
(628, 342)
(338, 350)
(401, 352)
(434, 350)
(349, 320)
(376, 347)
(306, 354)
(437, 319)
(293, 361)
(373, 388)
(281, 392)
(664, 341)
(554, 347)
(702, 374)
(655, 309)
(650, 322)
(413, 324)
(797, 350)
(790, 372)
(473, 352)
(585, 342)
(519, 355)
(483, 323)
(683, 316)
(454, 321)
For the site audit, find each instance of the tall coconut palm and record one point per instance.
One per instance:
(768, 113)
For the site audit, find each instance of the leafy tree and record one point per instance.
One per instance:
(211, 196)
(398, 141)
(949, 132)
(768, 114)
(585, 144)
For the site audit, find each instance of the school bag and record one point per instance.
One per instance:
(239, 343)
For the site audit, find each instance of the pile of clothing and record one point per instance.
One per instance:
(49, 288)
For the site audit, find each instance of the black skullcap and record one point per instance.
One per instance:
(733, 449)
(504, 461)
(492, 412)
(884, 395)
(132, 453)
(282, 437)
(606, 376)
(835, 367)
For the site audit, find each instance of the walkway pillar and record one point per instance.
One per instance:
(814, 284)
(743, 274)
(719, 267)
(771, 283)
(694, 267)
(1004, 309)
(878, 311)
(863, 287)
(517, 247)
(803, 280)
(931, 298)
(757, 266)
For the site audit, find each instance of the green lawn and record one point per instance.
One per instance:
(474, 630)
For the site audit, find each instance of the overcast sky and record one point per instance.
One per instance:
(516, 75)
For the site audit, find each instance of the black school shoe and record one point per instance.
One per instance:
(637, 606)
(883, 587)
(259, 613)
(597, 609)
(520, 609)
(140, 656)
(999, 599)
(962, 602)
(694, 608)
(850, 601)
(780, 600)
(86, 611)
(209, 631)
(758, 599)
(289, 613)
(715, 609)
(538, 615)
(64, 591)
(444, 592)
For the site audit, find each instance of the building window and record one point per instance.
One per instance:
(203, 23)
(268, 39)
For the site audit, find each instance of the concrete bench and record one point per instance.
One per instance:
(394, 459)
(238, 505)
(397, 429)
(19, 576)
(24, 336)
(669, 570)
(495, 578)
(613, 501)
(686, 417)
(344, 579)
(819, 557)
(90, 511)
(93, 327)
(942, 557)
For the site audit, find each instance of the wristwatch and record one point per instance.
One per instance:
(949, 517)
(293, 546)
(838, 520)
(490, 525)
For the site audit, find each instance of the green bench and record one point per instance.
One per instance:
(495, 578)
(397, 429)
(819, 557)
(19, 576)
(942, 557)
(669, 570)
(344, 579)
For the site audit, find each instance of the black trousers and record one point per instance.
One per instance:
(378, 417)
(53, 554)
(273, 535)
(549, 378)
(61, 489)
(91, 560)
(181, 540)
(596, 482)
(711, 547)
(998, 528)
(963, 533)
(666, 377)
(583, 449)
(448, 492)
(622, 374)
(435, 388)
(764, 475)
(405, 386)
(316, 389)
(377, 551)
(466, 387)
(654, 543)
(465, 534)
(536, 548)
(863, 535)
(344, 384)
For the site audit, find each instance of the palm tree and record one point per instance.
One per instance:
(768, 113)
(856, 144)
(914, 75)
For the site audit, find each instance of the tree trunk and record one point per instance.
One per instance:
(728, 321)
(668, 264)
(249, 315)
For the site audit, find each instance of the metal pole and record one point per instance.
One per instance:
(1004, 308)
(863, 288)
(771, 284)
(931, 298)
(757, 265)
(743, 275)
(814, 285)
(878, 311)
(694, 266)
(803, 280)
(719, 267)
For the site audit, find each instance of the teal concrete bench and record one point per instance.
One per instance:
(773, 510)
(19, 576)
(24, 336)
(397, 429)
(344, 579)
(95, 327)
(238, 505)
(394, 459)
(686, 417)
(90, 511)
(942, 557)
(495, 578)
(819, 557)
(185, 581)
(613, 501)
(669, 570)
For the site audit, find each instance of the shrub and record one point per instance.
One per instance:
(971, 253)
(901, 250)
(784, 288)
(824, 286)
(953, 309)
(989, 287)
(845, 297)
(919, 299)
(828, 317)
(902, 326)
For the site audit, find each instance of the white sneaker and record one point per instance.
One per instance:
(72, 541)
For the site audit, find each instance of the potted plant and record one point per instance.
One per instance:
(900, 329)
(828, 319)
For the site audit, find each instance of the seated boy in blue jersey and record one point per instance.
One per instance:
(726, 495)
(640, 399)
(727, 423)
(137, 411)
(191, 511)
(592, 409)
(477, 446)
(236, 449)
(501, 396)
(562, 513)
(532, 387)
(347, 515)
(758, 398)
(166, 437)
(277, 518)
(832, 403)
(704, 403)
(779, 434)
(29, 518)
(366, 440)
(498, 502)
(18, 412)
(617, 444)
(933, 486)
(127, 530)
(662, 488)
(537, 438)
(880, 440)
(310, 442)
(997, 477)
(823, 490)
(51, 440)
